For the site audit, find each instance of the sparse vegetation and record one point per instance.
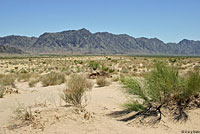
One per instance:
(134, 106)
(23, 113)
(32, 82)
(24, 77)
(102, 81)
(2, 91)
(93, 65)
(154, 91)
(7, 80)
(115, 78)
(34, 79)
(53, 78)
(77, 85)
(163, 87)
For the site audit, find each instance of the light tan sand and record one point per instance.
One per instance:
(101, 102)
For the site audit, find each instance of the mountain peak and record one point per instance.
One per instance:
(84, 30)
(185, 41)
(84, 42)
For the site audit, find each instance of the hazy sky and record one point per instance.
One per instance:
(168, 20)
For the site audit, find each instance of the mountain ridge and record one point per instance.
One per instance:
(82, 41)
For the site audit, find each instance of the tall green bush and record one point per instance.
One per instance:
(163, 86)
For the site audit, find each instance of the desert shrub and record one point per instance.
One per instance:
(191, 87)
(2, 91)
(32, 82)
(115, 78)
(133, 87)
(172, 60)
(163, 86)
(162, 82)
(108, 58)
(35, 78)
(66, 70)
(78, 61)
(107, 69)
(115, 61)
(93, 65)
(24, 77)
(125, 70)
(102, 81)
(23, 71)
(134, 106)
(53, 78)
(77, 85)
(111, 70)
(7, 80)
(23, 113)
(104, 68)
(23, 116)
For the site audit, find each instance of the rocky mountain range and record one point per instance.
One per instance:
(10, 50)
(84, 42)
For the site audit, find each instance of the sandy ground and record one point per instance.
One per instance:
(59, 119)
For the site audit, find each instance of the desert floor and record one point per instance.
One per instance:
(98, 117)
(58, 118)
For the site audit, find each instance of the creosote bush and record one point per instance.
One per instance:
(53, 78)
(77, 85)
(163, 87)
(93, 65)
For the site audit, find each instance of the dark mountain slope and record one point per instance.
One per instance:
(84, 42)
(20, 42)
(10, 50)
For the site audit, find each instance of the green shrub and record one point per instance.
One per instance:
(75, 92)
(163, 87)
(78, 62)
(190, 86)
(52, 78)
(134, 88)
(162, 82)
(93, 65)
(134, 106)
(104, 68)
(172, 60)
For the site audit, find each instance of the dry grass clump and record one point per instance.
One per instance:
(77, 85)
(2, 91)
(24, 116)
(115, 78)
(24, 77)
(7, 80)
(35, 78)
(32, 82)
(53, 78)
(23, 113)
(102, 81)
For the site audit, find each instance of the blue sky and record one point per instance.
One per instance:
(168, 20)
